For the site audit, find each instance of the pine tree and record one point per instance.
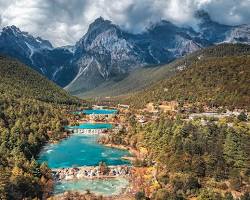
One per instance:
(4, 179)
(233, 152)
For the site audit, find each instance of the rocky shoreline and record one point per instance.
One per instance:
(91, 172)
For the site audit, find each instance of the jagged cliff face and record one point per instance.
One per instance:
(239, 34)
(102, 53)
(211, 31)
(107, 52)
(214, 32)
(35, 52)
(21, 45)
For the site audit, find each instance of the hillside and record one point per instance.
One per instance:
(218, 75)
(31, 114)
(146, 76)
(190, 159)
(135, 81)
(18, 80)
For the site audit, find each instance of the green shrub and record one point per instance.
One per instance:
(228, 196)
(192, 183)
(245, 196)
(242, 117)
(140, 196)
(209, 195)
(163, 178)
(161, 194)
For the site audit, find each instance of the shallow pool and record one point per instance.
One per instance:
(98, 112)
(105, 187)
(81, 150)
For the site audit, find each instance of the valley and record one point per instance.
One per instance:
(160, 114)
(147, 145)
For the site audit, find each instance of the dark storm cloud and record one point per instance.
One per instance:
(229, 11)
(65, 21)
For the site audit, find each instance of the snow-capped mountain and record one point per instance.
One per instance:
(106, 52)
(33, 51)
(215, 32)
(102, 53)
(239, 34)
(21, 45)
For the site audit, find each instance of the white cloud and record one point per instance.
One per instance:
(64, 22)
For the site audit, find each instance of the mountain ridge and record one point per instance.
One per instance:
(106, 52)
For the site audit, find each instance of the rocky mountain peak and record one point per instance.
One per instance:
(98, 26)
(11, 29)
(99, 32)
(100, 20)
(13, 33)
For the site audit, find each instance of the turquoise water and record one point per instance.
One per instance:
(91, 126)
(81, 150)
(104, 187)
(98, 112)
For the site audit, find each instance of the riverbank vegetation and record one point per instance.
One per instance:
(87, 195)
(32, 112)
(189, 159)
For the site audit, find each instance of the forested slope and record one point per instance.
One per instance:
(192, 160)
(32, 112)
(220, 77)
(18, 80)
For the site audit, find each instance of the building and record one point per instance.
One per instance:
(124, 106)
(98, 107)
(168, 106)
(150, 107)
(212, 115)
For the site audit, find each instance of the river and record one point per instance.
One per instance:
(84, 150)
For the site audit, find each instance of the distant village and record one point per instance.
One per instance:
(150, 113)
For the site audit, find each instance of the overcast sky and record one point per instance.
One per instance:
(63, 22)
